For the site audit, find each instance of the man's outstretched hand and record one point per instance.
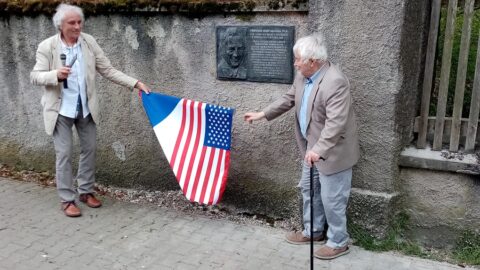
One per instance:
(253, 116)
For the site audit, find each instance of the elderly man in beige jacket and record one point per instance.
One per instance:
(65, 66)
(326, 134)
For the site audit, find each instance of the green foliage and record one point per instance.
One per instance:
(467, 249)
(455, 55)
(35, 7)
(394, 239)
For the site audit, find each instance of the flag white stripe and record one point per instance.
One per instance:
(203, 173)
(167, 131)
(212, 176)
(220, 178)
(190, 145)
(176, 162)
(183, 142)
(195, 169)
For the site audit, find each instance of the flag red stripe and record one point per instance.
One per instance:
(225, 176)
(199, 172)
(207, 176)
(187, 142)
(179, 137)
(195, 147)
(217, 175)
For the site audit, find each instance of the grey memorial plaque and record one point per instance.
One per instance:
(255, 53)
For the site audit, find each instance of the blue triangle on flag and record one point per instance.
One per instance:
(158, 106)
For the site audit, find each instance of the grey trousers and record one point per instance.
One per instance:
(331, 193)
(62, 139)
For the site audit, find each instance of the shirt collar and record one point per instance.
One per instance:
(64, 46)
(316, 74)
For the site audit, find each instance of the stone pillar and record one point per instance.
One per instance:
(379, 47)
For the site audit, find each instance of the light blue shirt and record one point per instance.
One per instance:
(307, 90)
(76, 84)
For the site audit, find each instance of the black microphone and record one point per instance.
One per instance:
(63, 57)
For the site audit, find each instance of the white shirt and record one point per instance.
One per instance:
(302, 118)
(76, 83)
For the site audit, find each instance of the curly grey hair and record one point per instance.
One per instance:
(311, 47)
(63, 9)
(231, 32)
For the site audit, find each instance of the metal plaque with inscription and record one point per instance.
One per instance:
(255, 53)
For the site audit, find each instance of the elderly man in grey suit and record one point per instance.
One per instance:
(65, 66)
(326, 134)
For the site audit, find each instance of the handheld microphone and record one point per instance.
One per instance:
(63, 57)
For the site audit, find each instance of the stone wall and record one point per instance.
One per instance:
(441, 205)
(380, 46)
(377, 43)
(175, 55)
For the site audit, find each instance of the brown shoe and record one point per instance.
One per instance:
(70, 209)
(90, 200)
(297, 238)
(328, 253)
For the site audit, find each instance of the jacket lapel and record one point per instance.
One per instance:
(300, 86)
(316, 87)
(56, 51)
(85, 60)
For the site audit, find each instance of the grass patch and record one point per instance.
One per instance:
(467, 249)
(394, 239)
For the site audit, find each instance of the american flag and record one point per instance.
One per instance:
(195, 138)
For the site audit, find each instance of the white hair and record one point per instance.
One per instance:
(312, 47)
(62, 10)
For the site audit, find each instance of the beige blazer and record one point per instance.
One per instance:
(48, 61)
(331, 125)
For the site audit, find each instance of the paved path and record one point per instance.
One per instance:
(35, 235)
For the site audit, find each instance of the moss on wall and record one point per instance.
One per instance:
(15, 154)
(34, 7)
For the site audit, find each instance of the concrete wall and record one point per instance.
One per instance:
(174, 55)
(440, 204)
(377, 43)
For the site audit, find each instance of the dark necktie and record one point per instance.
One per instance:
(79, 112)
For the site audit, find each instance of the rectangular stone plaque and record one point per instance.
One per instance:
(255, 53)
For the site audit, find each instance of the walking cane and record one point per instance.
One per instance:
(311, 216)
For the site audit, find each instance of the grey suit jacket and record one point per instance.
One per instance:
(331, 125)
(48, 61)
